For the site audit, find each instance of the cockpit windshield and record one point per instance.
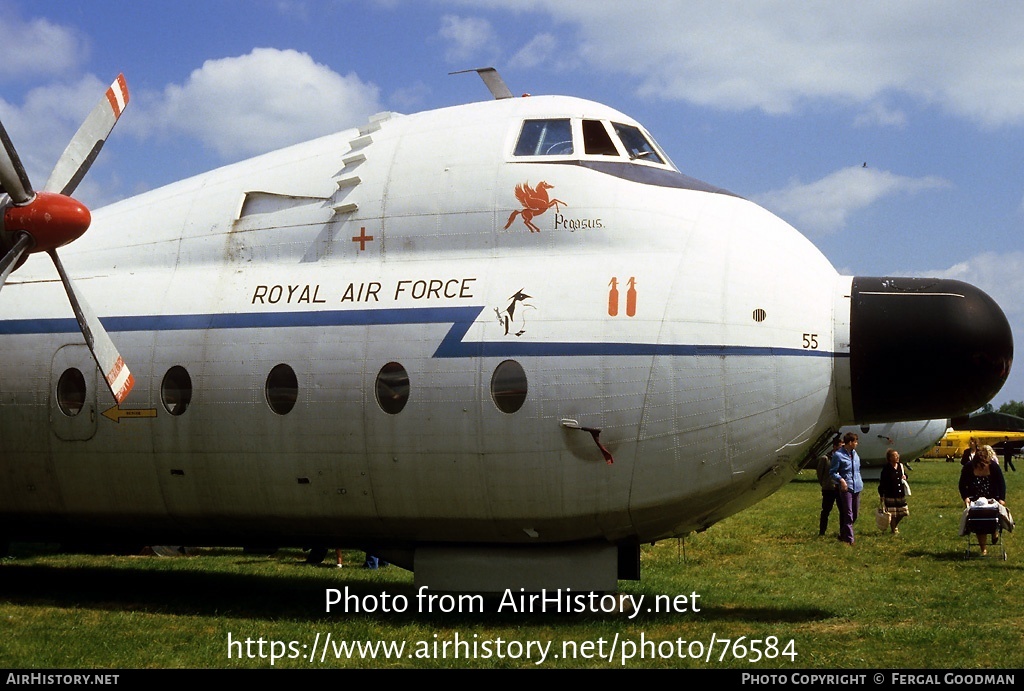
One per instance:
(596, 140)
(545, 138)
(636, 143)
(556, 137)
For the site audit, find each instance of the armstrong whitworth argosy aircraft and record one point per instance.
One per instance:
(911, 439)
(502, 344)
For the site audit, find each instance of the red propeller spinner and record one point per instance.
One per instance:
(43, 221)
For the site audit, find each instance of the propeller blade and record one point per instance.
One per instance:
(116, 373)
(50, 219)
(10, 259)
(13, 177)
(85, 146)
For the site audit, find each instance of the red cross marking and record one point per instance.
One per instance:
(362, 239)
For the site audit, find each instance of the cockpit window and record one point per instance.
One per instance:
(596, 140)
(545, 138)
(636, 143)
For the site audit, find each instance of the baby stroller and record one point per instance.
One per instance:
(982, 516)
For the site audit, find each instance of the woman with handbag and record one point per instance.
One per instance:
(892, 488)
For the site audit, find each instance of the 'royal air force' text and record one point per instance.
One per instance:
(422, 289)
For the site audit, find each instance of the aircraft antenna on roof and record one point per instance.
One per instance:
(493, 81)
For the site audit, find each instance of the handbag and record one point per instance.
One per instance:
(882, 518)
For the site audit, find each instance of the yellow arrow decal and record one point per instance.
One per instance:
(116, 413)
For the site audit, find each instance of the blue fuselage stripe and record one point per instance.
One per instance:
(451, 346)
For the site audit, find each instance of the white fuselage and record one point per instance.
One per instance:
(705, 338)
(910, 439)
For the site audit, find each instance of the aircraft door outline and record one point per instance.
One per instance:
(72, 397)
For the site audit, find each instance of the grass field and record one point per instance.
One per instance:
(889, 602)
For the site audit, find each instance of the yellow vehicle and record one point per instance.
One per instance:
(953, 444)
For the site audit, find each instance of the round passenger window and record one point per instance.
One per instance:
(176, 390)
(282, 389)
(508, 386)
(71, 392)
(392, 388)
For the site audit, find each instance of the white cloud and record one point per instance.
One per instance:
(777, 57)
(879, 114)
(824, 206)
(292, 9)
(465, 37)
(538, 51)
(411, 97)
(37, 46)
(258, 102)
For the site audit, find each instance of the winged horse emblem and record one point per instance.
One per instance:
(535, 202)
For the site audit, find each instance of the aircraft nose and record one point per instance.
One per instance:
(923, 348)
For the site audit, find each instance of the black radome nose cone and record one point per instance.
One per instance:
(924, 348)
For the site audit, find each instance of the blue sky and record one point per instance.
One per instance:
(780, 102)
